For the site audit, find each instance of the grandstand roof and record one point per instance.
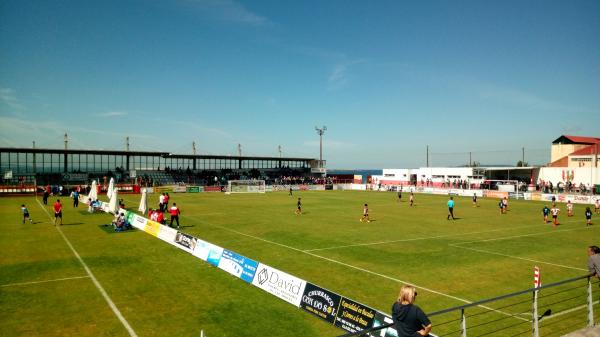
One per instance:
(144, 153)
(566, 139)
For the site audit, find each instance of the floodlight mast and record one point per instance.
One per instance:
(321, 132)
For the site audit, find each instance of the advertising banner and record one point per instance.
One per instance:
(185, 241)
(208, 252)
(496, 194)
(152, 228)
(381, 319)
(285, 286)
(167, 234)
(238, 265)
(548, 197)
(581, 199)
(179, 189)
(212, 188)
(320, 302)
(193, 189)
(353, 316)
(136, 221)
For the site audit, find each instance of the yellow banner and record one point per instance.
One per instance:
(152, 227)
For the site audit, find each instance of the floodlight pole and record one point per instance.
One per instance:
(127, 143)
(194, 148)
(66, 141)
(279, 149)
(239, 150)
(321, 132)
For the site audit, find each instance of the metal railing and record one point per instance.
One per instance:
(566, 306)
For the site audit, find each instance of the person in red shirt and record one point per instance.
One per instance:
(160, 217)
(174, 210)
(57, 212)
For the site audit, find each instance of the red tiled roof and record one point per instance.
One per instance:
(578, 139)
(586, 151)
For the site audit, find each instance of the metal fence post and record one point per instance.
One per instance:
(590, 303)
(463, 323)
(536, 332)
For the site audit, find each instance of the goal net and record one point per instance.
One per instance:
(245, 186)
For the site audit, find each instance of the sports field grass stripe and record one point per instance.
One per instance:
(516, 257)
(564, 312)
(526, 235)
(368, 271)
(43, 281)
(108, 300)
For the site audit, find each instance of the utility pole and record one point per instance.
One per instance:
(194, 148)
(523, 157)
(127, 143)
(279, 149)
(470, 161)
(427, 155)
(34, 155)
(66, 141)
(239, 150)
(321, 132)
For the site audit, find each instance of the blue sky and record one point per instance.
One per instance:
(387, 78)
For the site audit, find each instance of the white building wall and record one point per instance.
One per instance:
(584, 175)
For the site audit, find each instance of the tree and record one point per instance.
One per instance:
(521, 163)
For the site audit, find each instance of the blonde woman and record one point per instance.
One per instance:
(409, 319)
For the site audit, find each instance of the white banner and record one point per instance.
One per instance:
(285, 286)
(208, 252)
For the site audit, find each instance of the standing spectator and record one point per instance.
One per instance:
(409, 319)
(161, 202)
(174, 210)
(75, 196)
(58, 212)
(167, 197)
(594, 261)
(46, 195)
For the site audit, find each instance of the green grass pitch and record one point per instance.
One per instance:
(163, 291)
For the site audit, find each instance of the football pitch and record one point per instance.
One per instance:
(83, 279)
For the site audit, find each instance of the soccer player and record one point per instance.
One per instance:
(58, 212)
(475, 200)
(174, 210)
(75, 196)
(412, 198)
(450, 208)
(505, 204)
(400, 194)
(555, 210)
(501, 206)
(291, 191)
(588, 216)
(546, 212)
(365, 216)
(569, 209)
(299, 207)
(161, 202)
(597, 206)
(25, 212)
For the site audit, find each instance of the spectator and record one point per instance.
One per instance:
(409, 319)
(594, 261)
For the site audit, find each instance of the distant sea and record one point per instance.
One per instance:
(363, 172)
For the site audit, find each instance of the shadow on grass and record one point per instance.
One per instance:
(109, 229)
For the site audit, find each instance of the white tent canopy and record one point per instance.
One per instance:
(143, 201)
(111, 187)
(113, 204)
(93, 191)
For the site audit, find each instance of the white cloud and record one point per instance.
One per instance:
(338, 77)
(112, 114)
(229, 10)
(8, 96)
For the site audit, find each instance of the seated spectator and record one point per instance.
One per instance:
(119, 223)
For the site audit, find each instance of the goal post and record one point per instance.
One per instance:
(245, 186)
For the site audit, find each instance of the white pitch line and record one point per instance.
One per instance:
(108, 300)
(367, 271)
(517, 257)
(44, 281)
(526, 235)
(564, 312)
(421, 238)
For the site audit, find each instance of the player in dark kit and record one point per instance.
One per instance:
(475, 200)
(546, 212)
(299, 207)
(588, 216)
